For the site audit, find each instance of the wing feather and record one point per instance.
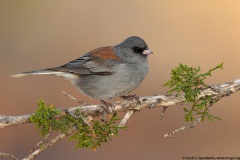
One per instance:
(96, 62)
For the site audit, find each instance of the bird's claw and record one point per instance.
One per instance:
(132, 98)
(106, 108)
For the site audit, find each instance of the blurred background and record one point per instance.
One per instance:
(41, 34)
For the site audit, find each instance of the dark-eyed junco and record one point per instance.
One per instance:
(106, 72)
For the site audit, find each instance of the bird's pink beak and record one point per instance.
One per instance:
(147, 52)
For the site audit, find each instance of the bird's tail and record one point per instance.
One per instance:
(19, 75)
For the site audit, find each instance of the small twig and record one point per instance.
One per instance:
(183, 128)
(6, 155)
(126, 118)
(73, 98)
(164, 108)
(84, 120)
(41, 142)
(195, 123)
(45, 146)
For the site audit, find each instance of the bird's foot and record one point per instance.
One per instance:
(134, 98)
(107, 108)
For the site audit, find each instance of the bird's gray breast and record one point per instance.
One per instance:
(125, 78)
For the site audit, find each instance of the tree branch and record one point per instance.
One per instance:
(6, 155)
(45, 146)
(216, 92)
(126, 118)
(7, 121)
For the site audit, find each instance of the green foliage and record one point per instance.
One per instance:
(48, 119)
(44, 119)
(102, 131)
(189, 81)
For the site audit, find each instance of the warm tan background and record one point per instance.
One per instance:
(38, 34)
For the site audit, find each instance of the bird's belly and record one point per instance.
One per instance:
(110, 86)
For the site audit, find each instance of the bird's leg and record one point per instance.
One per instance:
(106, 108)
(132, 98)
(107, 104)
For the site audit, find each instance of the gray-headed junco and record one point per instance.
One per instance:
(106, 72)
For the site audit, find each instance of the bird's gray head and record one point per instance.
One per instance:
(133, 49)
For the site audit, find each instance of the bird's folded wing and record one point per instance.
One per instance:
(88, 65)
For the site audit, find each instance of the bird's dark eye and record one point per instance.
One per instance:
(136, 49)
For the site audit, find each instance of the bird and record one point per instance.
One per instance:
(107, 72)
